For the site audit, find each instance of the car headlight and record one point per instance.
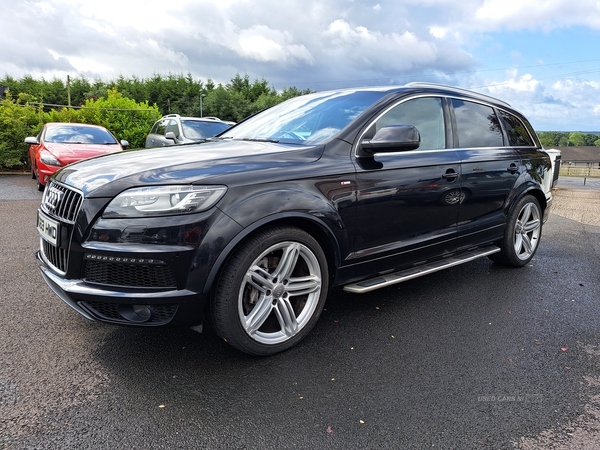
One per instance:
(48, 158)
(163, 201)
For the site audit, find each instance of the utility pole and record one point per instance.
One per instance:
(201, 97)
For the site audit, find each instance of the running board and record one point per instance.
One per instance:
(414, 272)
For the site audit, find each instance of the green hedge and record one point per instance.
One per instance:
(18, 119)
(21, 117)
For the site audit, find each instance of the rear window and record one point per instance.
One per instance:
(516, 131)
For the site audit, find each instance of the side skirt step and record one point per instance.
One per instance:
(414, 272)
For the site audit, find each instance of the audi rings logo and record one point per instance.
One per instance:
(52, 198)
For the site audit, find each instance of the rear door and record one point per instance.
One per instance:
(490, 168)
(401, 215)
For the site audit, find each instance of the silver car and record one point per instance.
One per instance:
(173, 129)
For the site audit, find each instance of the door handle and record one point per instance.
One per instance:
(450, 175)
(513, 168)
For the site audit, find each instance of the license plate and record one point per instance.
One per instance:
(48, 228)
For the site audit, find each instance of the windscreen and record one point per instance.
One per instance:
(309, 119)
(77, 134)
(202, 129)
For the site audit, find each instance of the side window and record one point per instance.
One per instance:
(160, 127)
(477, 125)
(517, 133)
(425, 114)
(174, 128)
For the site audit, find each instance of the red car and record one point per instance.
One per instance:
(59, 144)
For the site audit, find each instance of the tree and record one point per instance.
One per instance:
(547, 141)
(577, 139)
(590, 139)
(126, 102)
(124, 117)
(80, 89)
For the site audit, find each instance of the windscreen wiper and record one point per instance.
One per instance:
(274, 141)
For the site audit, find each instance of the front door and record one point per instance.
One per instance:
(407, 202)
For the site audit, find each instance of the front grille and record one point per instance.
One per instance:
(161, 314)
(129, 275)
(56, 256)
(61, 202)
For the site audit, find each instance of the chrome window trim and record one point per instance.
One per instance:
(392, 106)
(446, 96)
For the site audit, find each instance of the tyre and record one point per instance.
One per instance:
(522, 235)
(40, 186)
(271, 291)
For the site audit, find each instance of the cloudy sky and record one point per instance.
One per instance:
(542, 56)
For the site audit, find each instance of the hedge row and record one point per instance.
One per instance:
(21, 117)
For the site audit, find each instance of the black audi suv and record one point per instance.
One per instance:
(360, 188)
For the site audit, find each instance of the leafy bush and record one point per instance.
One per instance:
(124, 117)
(122, 105)
(18, 119)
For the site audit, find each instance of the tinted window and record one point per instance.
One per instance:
(425, 114)
(516, 131)
(161, 127)
(477, 125)
(174, 128)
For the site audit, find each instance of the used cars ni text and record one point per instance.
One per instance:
(360, 188)
(59, 144)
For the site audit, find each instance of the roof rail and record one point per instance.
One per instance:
(171, 115)
(456, 89)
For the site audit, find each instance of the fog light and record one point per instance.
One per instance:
(135, 313)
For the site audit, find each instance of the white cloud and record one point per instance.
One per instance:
(311, 44)
(361, 47)
(107, 28)
(89, 65)
(265, 44)
(547, 14)
(566, 105)
(159, 51)
(438, 32)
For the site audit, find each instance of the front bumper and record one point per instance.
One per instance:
(140, 307)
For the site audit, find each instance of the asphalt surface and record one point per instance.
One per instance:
(477, 356)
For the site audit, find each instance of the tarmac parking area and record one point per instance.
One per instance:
(477, 356)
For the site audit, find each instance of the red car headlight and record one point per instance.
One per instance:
(48, 158)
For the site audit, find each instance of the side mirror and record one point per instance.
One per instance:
(392, 138)
(124, 143)
(32, 140)
(170, 135)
